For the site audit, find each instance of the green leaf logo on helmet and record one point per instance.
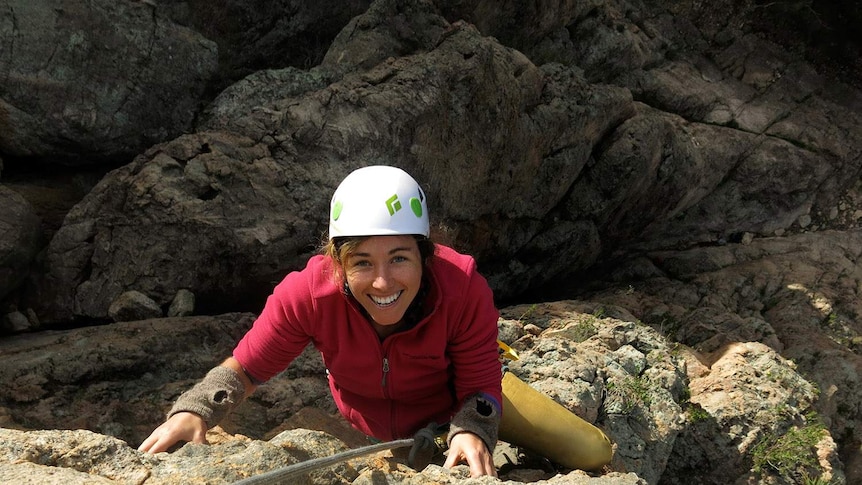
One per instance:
(393, 205)
(368, 202)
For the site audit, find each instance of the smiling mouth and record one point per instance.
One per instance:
(386, 300)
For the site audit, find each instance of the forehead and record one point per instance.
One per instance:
(385, 244)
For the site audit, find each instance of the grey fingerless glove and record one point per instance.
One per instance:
(213, 398)
(479, 416)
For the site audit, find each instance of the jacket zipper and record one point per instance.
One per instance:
(385, 370)
(393, 428)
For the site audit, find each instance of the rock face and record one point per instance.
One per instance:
(797, 295)
(667, 408)
(678, 184)
(572, 168)
(243, 192)
(227, 460)
(100, 79)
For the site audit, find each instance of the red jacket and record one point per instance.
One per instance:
(387, 389)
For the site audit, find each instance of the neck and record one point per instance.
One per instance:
(384, 331)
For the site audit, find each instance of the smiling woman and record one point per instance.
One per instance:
(384, 276)
(420, 312)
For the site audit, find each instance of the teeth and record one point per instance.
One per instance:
(385, 300)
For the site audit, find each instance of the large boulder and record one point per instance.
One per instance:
(20, 234)
(100, 80)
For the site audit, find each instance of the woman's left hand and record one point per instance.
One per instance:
(470, 448)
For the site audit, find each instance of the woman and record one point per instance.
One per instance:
(407, 330)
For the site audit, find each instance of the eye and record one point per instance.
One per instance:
(360, 263)
(399, 259)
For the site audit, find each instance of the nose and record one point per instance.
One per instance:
(381, 279)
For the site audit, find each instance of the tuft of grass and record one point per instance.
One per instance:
(696, 414)
(631, 392)
(666, 325)
(792, 455)
(583, 330)
(527, 313)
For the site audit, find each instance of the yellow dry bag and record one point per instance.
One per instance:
(536, 422)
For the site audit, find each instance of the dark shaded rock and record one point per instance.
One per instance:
(261, 34)
(96, 80)
(118, 379)
(389, 28)
(134, 305)
(183, 304)
(19, 239)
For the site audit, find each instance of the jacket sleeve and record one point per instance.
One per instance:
(473, 344)
(281, 331)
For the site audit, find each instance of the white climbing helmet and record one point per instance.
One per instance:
(378, 201)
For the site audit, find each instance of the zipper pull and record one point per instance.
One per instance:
(385, 370)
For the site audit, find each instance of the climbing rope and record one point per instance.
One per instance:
(280, 476)
(422, 442)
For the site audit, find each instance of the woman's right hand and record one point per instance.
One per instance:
(182, 426)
